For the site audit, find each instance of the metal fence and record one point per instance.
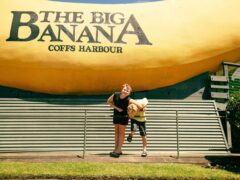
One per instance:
(173, 126)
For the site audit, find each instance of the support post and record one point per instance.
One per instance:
(228, 126)
(177, 128)
(225, 69)
(85, 131)
(229, 135)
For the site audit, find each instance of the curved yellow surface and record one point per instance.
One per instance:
(153, 44)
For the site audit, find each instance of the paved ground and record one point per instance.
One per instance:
(126, 158)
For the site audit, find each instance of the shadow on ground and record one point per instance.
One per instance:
(229, 163)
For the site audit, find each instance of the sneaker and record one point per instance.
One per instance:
(121, 153)
(129, 138)
(114, 154)
(144, 154)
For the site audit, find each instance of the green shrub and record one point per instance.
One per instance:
(233, 115)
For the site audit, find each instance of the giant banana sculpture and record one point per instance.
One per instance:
(85, 48)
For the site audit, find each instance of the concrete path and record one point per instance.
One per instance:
(126, 158)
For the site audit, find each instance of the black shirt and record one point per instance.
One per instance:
(121, 103)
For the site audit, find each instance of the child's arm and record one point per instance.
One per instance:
(143, 103)
(138, 104)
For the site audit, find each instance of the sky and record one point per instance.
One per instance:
(107, 1)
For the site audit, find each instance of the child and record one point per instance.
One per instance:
(137, 116)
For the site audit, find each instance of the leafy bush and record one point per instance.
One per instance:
(233, 115)
(233, 110)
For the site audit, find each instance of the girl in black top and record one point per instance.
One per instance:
(120, 101)
(120, 117)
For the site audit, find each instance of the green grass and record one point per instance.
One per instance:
(120, 170)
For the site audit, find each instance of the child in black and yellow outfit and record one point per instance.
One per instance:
(137, 116)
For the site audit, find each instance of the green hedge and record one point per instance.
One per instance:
(233, 115)
(234, 87)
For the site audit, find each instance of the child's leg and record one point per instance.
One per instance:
(142, 130)
(133, 125)
(116, 137)
(132, 133)
(144, 141)
(121, 138)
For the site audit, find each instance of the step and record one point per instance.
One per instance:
(219, 95)
(224, 87)
(219, 79)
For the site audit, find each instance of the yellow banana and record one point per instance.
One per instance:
(78, 48)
